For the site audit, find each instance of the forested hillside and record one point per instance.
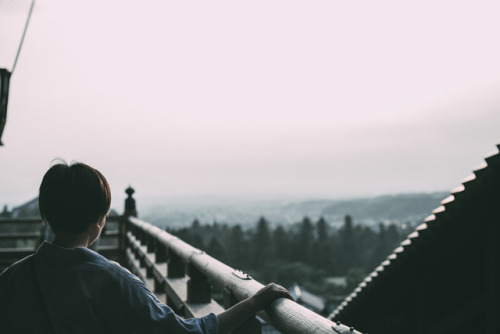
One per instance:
(311, 253)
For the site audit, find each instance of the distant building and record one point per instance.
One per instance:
(445, 277)
(308, 300)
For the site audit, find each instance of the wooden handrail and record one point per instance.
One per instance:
(285, 315)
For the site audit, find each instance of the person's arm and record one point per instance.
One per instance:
(241, 312)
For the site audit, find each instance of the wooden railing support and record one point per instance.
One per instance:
(160, 253)
(198, 287)
(189, 296)
(175, 265)
(150, 243)
(129, 211)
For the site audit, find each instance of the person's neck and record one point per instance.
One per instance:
(71, 240)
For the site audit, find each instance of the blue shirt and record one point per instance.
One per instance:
(76, 290)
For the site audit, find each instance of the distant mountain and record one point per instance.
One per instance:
(402, 207)
(399, 208)
(26, 210)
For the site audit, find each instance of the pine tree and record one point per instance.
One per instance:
(237, 249)
(322, 253)
(347, 250)
(303, 242)
(261, 243)
(280, 244)
(216, 250)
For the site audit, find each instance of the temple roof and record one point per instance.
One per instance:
(477, 187)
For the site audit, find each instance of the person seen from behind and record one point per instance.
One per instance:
(64, 287)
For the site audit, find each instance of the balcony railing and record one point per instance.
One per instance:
(18, 239)
(180, 275)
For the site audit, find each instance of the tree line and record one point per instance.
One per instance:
(307, 253)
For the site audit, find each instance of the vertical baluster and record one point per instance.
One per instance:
(160, 258)
(142, 241)
(175, 265)
(151, 246)
(149, 271)
(198, 287)
(142, 237)
(175, 269)
(150, 243)
(142, 259)
(135, 248)
(160, 253)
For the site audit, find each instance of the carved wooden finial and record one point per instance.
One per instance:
(130, 209)
(130, 191)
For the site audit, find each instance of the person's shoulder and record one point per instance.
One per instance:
(19, 265)
(18, 273)
(111, 268)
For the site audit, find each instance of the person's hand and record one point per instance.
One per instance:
(241, 312)
(267, 294)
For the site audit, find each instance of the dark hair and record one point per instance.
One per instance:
(72, 197)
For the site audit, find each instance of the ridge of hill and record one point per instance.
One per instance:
(399, 208)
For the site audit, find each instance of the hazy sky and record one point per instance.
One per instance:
(261, 98)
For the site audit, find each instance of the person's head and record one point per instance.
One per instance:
(73, 197)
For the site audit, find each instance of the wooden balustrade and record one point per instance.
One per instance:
(18, 239)
(183, 281)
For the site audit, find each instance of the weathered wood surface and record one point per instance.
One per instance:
(285, 315)
(155, 276)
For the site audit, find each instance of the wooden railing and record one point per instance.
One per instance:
(21, 237)
(18, 239)
(180, 275)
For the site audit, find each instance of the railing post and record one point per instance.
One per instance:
(175, 269)
(130, 210)
(160, 253)
(175, 265)
(151, 243)
(251, 326)
(198, 287)
(160, 257)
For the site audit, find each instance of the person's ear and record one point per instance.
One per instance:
(99, 224)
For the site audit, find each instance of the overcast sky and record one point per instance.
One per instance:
(259, 98)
